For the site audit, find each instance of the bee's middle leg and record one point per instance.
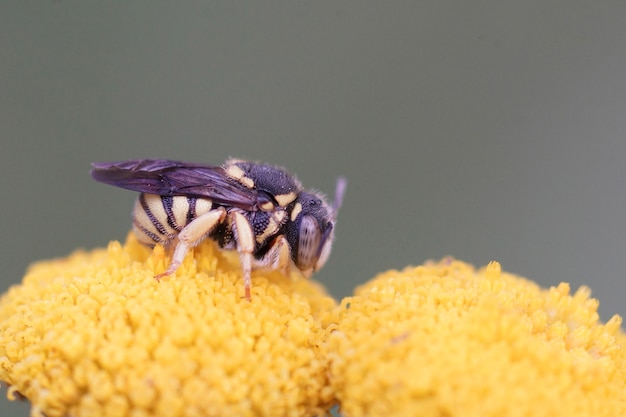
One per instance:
(191, 235)
(245, 245)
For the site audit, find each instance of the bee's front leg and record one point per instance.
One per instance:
(278, 257)
(191, 235)
(244, 237)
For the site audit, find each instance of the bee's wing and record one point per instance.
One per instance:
(168, 178)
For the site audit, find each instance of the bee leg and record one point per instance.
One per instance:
(191, 235)
(286, 262)
(282, 259)
(278, 256)
(245, 245)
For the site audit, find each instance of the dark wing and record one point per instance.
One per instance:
(169, 178)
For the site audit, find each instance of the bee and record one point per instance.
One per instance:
(257, 209)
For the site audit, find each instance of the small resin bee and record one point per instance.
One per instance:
(258, 209)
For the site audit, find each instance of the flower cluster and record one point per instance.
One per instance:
(443, 339)
(94, 334)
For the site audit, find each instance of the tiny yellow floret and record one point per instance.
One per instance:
(444, 339)
(95, 334)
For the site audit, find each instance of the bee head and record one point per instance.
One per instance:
(310, 232)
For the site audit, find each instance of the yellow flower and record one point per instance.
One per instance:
(95, 335)
(446, 340)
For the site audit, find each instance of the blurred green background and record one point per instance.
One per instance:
(483, 130)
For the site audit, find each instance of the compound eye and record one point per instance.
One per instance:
(308, 243)
(324, 251)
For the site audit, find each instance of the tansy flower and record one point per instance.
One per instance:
(446, 340)
(95, 335)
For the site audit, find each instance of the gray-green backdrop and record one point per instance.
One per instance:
(483, 130)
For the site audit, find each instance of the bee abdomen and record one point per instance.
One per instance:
(159, 219)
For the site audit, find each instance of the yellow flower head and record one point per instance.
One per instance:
(446, 340)
(95, 335)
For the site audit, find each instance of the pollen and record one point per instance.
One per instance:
(445, 339)
(94, 334)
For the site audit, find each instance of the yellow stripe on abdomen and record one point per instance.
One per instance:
(159, 219)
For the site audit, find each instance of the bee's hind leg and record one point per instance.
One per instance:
(192, 234)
